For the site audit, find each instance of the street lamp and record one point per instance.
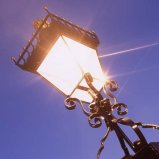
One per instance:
(66, 56)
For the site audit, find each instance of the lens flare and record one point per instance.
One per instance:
(129, 50)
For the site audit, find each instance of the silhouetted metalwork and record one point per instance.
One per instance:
(101, 110)
(51, 27)
(104, 103)
(150, 151)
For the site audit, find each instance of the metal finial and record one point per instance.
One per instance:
(46, 9)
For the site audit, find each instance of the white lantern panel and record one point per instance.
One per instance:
(60, 68)
(65, 66)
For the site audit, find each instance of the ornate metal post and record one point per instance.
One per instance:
(102, 106)
(101, 110)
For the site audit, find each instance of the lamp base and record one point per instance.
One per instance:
(151, 151)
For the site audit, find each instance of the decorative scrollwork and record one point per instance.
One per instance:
(84, 110)
(70, 103)
(93, 108)
(95, 120)
(112, 85)
(101, 109)
(122, 109)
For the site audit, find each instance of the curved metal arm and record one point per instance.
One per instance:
(153, 126)
(102, 142)
(137, 145)
(122, 109)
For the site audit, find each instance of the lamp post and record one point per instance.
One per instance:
(65, 55)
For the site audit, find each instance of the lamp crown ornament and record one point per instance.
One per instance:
(66, 56)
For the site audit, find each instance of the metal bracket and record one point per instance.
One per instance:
(101, 110)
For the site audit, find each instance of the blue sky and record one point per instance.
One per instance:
(33, 121)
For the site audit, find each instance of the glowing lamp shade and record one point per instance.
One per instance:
(65, 66)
